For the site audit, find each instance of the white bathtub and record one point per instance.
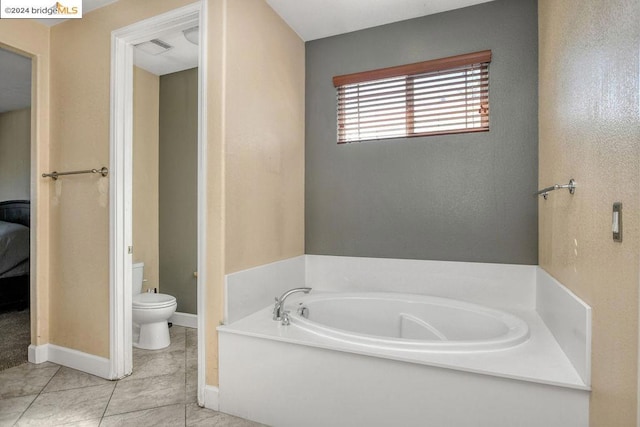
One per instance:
(364, 356)
(407, 322)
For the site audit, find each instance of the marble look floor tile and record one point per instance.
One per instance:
(192, 353)
(162, 382)
(85, 423)
(177, 330)
(137, 352)
(177, 343)
(197, 416)
(192, 367)
(192, 363)
(67, 406)
(26, 379)
(145, 393)
(172, 415)
(12, 408)
(178, 334)
(192, 337)
(191, 395)
(157, 364)
(67, 379)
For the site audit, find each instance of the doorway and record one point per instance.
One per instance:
(121, 205)
(165, 165)
(15, 207)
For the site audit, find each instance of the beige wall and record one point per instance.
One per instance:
(589, 131)
(264, 137)
(32, 39)
(80, 114)
(255, 165)
(15, 154)
(145, 174)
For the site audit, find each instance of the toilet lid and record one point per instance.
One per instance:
(152, 300)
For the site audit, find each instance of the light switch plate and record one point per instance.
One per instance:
(616, 226)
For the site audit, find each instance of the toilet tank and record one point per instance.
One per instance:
(138, 275)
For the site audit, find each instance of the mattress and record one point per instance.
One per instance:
(14, 249)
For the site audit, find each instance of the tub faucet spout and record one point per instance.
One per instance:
(279, 312)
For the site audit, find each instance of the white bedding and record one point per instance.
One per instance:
(14, 249)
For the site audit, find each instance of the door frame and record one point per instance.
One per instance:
(121, 180)
(39, 212)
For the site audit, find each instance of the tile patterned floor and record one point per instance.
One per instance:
(160, 392)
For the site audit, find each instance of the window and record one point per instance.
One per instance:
(442, 96)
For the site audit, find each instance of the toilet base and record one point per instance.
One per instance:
(153, 336)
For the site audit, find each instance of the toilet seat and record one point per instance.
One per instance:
(152, 300)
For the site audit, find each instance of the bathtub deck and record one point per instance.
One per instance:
(284, 376)
(538, 360)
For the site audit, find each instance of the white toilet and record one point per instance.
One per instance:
(150, 313)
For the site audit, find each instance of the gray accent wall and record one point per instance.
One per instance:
(178, 179)
(465, 197)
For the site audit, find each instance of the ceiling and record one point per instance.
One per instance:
(15, 81)
(316, 19)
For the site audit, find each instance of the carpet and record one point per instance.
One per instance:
(15, 337)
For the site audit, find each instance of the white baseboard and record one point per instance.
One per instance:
(211, 397)
(70, 358)
(184, 319)
(38, 353)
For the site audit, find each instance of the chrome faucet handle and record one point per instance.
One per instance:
(279, 312)
(285, 318)
(276, 309)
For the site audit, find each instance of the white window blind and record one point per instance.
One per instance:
(442, 96)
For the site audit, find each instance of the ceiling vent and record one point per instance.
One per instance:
(154, 47)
